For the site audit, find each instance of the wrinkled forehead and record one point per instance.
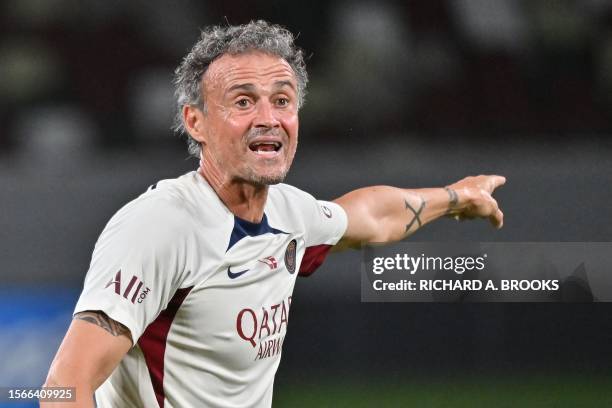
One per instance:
(256, 67)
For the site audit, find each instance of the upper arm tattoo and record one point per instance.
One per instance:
(101, 319)
(416, 213)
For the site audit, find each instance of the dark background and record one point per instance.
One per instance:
(412, 94)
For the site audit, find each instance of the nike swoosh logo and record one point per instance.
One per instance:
(234, 275)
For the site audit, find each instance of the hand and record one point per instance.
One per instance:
(474, 199)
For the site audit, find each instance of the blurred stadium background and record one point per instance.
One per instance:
(414, 94)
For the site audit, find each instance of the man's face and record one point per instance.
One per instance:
(250, 130)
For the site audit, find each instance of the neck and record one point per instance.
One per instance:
(244, 200)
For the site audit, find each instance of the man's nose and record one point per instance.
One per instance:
(266, 115)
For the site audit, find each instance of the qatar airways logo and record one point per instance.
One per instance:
(133, 288)
(256, 326)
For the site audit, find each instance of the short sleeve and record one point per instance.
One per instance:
(137, 265)
(326, 225)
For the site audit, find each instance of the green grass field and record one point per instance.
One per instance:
(531, 391)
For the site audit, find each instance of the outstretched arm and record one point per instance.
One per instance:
(387, 214)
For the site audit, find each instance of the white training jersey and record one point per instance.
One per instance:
(206, 295)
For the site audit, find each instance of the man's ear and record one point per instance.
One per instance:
(194, 120)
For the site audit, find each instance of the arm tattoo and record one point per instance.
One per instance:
(417, 213)
(453, 199)
(101, 319)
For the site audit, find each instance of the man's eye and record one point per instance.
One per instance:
(282, 101)
(243, 103)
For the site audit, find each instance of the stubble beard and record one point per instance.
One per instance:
(266, 179)
(276, 177)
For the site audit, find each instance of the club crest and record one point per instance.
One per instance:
(290, 256)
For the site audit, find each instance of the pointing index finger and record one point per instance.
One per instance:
(497, 181)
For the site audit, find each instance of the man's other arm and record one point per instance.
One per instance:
(92, 348)
(387, 214)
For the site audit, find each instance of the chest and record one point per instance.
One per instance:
(238, 316)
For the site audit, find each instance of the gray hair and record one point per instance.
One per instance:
(216, 41)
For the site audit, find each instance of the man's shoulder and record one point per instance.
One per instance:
(168, 195)
(184, 189)
(290, 192)
(172, 202)
(289, 205)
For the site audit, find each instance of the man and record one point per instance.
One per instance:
(187, 299)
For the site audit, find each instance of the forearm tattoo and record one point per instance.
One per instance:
(101, 319)
(416, 214)
(453, 198)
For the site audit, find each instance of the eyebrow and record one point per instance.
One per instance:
(248, 87)
(280, 84)
(244, 87)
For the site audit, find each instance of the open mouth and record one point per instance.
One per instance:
(265, 148)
